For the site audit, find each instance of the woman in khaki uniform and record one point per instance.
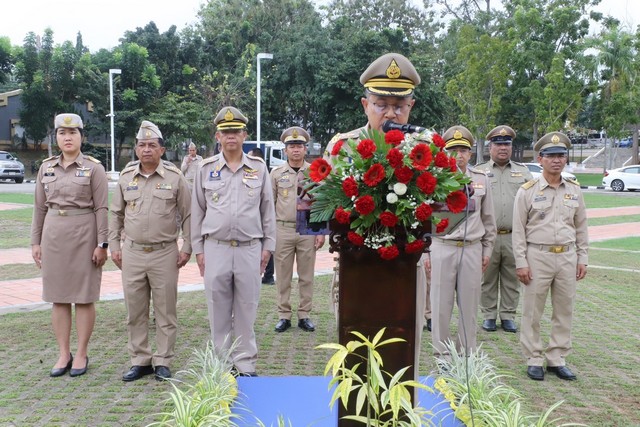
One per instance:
(68, 240)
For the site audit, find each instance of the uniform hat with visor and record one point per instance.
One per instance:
(294, 135)
(148, 130)
(502, 134)
(230, 118)
(553, 143)
(458, 136)
(67, 120)
(390, 75)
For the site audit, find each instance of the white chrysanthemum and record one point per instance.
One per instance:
(392, 198)
(399, 188)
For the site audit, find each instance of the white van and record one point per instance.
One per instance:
(274, 155)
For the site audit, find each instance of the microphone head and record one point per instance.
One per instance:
(389, 125)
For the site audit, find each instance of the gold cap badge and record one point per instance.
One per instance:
(503, 132)
(555, 139)
(295, 133)
(228, 115)
(457, 134)
(393, 71)
(67, 120)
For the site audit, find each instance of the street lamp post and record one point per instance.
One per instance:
(260, 56)
(112, 71)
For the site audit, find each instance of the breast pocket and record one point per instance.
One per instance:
(215, 192)
(252, 190)
(569, 208)
(541, 208)
(134, 201)
(163, 202)
(82, 186)
(284, 189)
(49, 183)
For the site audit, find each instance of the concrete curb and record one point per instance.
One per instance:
(593, 187)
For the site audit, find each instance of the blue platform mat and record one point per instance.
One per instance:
(304, 402)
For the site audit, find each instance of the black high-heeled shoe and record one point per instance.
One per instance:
(58, 372)
(77, 372)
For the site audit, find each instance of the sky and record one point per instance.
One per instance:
(102, 23)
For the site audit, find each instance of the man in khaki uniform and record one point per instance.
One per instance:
(389, 84)
(190, 164)
(550, 244)
(233, 236)
(150, 194)
(291, 245)
(458, 259)
(505, 176)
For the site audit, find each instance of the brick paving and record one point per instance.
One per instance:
(26, 294)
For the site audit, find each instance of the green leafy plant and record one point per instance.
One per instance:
(382, 398)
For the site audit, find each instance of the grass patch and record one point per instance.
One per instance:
(589, 178)
(599, 200)
(613, 220)
(617, 259)
(626, 243)
(16, 228)
(24, 198)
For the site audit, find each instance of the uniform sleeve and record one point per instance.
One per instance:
(268, 215)
(488, 220)
(582, 234)
(274, 185)
(184, 166)
(184, 208)
(116, 220)
(518, 235)
(198, 212)
(39, 211)
(100, 194)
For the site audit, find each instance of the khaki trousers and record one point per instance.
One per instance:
(232, 287)
(146, 275)
(555, 273)
(289, 246)
(455, 278)
(500, 279)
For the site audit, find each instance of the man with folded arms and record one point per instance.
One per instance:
(550, 244)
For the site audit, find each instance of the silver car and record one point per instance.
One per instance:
(536, 171)
(11, 168)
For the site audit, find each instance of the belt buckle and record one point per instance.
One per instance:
(234, 243)
(460, 243)
(62, 212)
(147, 249)
(556, 249)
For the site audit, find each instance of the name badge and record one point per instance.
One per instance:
(83, 172)
(163, 186)
(49, 172)
(133, 185)
(571, 197)
(516, 173)
(214, 175)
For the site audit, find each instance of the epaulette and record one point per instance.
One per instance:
(93, 159)
(130, 166)
(170, 166)
(481, 164)
(50, 158)
(210, 159)
(527, 185)
(519, 164)
(571, 180)
(473, 169)
(132, 163)
(256, 158)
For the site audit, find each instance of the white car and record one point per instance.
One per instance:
(620, 179)
(536, 171)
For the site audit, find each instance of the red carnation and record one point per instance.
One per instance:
(441, 160)
(336, 148)
(427, 183)
(365, 205)
(457, 201)
(319, 170)
(393, 137)
(388, 252)
(342, 216)
(417, 246)
(421, 156)
(423, 212)
(394, 157)
(438, 141)
(366, 148)
(350, 187)
(388, 219)
(374, 175)
(355, 238)
(453, 164)
(403, 174)
(442, 225)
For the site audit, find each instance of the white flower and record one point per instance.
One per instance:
(392, 198)
(399, 188)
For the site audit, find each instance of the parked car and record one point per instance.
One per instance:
(536, 171)
(625, 143)
(11, 168)
(619, 179)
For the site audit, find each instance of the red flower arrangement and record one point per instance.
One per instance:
(383, 186)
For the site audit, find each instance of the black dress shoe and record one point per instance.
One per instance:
(283, 325)
(136, 372)
(58, 372)
(489, 325)
(427, 325)
(162, 373)
(247, 374)
(562, 372)
(306, 324)
(535, 373)
(268, 281)
(77, 372)
(508, 325)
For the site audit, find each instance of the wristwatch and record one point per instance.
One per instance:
(103, 245)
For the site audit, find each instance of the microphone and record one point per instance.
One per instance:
(390, 125)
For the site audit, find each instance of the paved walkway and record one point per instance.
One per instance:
(26, 294)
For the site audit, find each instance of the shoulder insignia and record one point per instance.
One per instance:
(93, 159)
(50, 158)
(572, 181)
(130, 166)
(527, 185)
(211, 159)
(132, 163)
(170, 166)
(473, 169)
(255, 158)
(519, 164)
(478, 165)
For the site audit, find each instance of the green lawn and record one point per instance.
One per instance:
(594, 179)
